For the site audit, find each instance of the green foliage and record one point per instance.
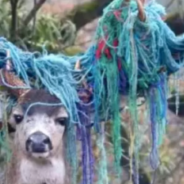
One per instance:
(44, 29)
(50, 31)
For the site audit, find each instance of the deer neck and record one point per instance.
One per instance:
(24, 170)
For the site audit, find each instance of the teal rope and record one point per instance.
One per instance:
(126, 58)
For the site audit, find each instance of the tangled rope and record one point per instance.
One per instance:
(133, 54)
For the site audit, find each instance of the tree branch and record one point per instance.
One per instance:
(169, 3)
(33, 12)
(13, 28)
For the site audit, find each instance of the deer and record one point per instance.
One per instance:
(38, 144)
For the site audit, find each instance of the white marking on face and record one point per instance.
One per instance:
(42, 123)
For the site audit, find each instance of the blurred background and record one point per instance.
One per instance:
(68, 26)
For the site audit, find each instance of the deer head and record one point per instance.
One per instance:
(39, 130)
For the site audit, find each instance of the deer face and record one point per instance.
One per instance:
(39, 131)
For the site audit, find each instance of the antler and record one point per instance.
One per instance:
(86, 93)
(9, 80)
(140, 4)
(141, 14)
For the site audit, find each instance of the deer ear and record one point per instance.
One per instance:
(10, 81)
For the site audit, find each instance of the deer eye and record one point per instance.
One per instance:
(18, 118)
(62, 121)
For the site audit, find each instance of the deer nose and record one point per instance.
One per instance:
(38, 143)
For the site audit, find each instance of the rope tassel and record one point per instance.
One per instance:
(133, 53)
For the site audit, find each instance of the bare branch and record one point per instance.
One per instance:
(169, 3)
(33, 12)
(13, 29)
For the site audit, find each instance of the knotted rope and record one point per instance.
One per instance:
(129, 57)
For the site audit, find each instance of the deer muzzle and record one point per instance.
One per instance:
(39, 143)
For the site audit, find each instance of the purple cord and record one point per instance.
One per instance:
(84, 134)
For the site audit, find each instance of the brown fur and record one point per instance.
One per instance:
(28, 169)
